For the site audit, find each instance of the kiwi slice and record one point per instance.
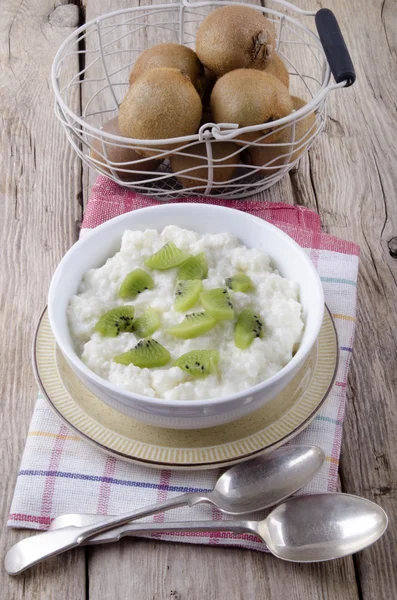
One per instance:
(135, 283)
(167, 257)
(147, 323)
(247, 328)
(187, 293)
(194, 268)
(193, 325)
(146, 354)
(115, 321)
(240, 282)
(217, 302)
(198, 363)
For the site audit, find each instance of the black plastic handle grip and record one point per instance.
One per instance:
(334, 47)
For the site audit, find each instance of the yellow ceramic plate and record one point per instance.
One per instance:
(115, 433)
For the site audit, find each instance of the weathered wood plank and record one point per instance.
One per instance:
(350, 179)
(39, 214)
(160, 571)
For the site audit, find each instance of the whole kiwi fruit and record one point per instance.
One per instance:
(277, 68)
(209, 82)
(304, 128)
(118, 154)
(197, 161)
(235, 37)
(261, 155)
(249, 98)
(162, 103)
(174, 56)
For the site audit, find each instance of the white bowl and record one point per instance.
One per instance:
(104, 241)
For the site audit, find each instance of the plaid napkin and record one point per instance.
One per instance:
(60, 473)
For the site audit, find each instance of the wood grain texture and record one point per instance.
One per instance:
(350, 180)
(39, 214)
(348, 176)
(164, 571)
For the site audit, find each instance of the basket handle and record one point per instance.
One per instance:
(335, 47)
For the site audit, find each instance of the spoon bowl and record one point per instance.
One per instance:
(266, 480)
(322, 527)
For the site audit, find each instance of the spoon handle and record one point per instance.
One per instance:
(36, 548)
(202, 526)
(115, 535)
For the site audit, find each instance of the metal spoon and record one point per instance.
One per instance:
(245, 488)
(303, 529)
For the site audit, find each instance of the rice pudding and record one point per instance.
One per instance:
(273, 300)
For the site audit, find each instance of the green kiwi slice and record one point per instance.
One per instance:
(217, 302)
(167, 257)
(147, 323)
(240, 282)
(248, 327)
(193, 325)
(115, 321)
(146, 354)
(195, 267)
(199, 363)
(135, 283)
(187, 293)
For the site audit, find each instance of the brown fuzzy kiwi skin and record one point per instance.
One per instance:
(235, 37)
(161, 104)
(277, 68)
(303, 128)
(250, 97)
(210, 81)
(117, 154)
(221, 174)
(174, 56)
(263, 154)
(260, 155)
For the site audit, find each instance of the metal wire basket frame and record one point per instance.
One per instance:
(113, 35)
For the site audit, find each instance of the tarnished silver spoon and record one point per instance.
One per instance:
(245, 488)
(303, 529)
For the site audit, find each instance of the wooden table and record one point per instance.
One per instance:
(349, 177)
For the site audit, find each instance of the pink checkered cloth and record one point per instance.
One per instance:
(60, 473)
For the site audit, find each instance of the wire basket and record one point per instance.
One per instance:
(106, 49)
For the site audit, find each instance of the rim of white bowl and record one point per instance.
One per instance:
(79, 364)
